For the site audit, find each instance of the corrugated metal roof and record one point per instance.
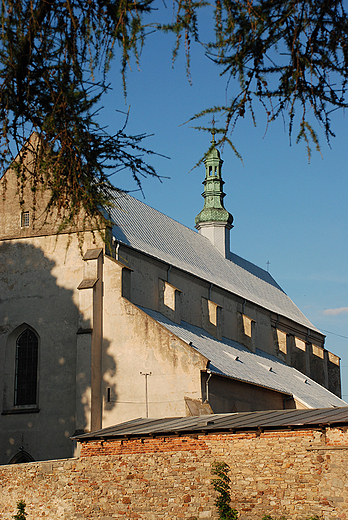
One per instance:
(231, 359)
(272, 420)
(149, 231)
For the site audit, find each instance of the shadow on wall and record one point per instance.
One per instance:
(42, 405)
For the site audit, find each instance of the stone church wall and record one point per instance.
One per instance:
(38, 280)
(292, 473)
(312, 359)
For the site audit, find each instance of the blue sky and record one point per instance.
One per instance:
(288, 212)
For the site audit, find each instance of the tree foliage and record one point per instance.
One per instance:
(289, 55)
(54, 56)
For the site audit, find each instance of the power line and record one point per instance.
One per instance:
(334, 333)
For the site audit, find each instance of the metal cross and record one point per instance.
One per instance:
(213, 131)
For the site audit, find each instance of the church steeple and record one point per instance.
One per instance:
(214, 221)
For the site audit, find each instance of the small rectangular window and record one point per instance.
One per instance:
(169, 296)
(247, 325)
(25, 219)
(300, 344)
(281, 336)
(318, 351)
(334, 359)
(213, 311)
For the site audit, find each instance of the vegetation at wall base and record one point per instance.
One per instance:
(221, 484)
(21, 514)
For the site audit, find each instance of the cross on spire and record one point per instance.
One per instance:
(213, 131)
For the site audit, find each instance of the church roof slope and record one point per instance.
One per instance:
(231, 359)
(147, 230)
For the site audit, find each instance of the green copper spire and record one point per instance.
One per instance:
(213, 210)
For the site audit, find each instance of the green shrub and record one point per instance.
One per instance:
(21, 514)
(222, 487)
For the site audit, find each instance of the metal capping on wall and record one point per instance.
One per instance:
(243, 421)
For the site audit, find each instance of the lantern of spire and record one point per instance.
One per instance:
(214, 221)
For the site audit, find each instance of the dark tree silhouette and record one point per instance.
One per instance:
(289, 55)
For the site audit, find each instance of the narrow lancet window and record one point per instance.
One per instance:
(26, 368)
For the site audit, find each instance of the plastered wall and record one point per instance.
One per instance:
(146, 369)
(314, 361)
(38, 281)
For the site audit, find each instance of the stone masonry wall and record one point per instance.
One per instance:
(292, 473)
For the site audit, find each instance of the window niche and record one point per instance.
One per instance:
(169, 300)
(247, 325)
(246, 331)
(20, 391)
(299, 354)
(126, 283)
(280, 344)
(333, 369)
(318, 364)
(212, 318)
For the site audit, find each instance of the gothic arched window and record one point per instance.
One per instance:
(26, 368)
(21, 457)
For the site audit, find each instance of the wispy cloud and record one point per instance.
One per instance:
(335, 312)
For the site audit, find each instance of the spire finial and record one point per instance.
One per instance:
(213, 131)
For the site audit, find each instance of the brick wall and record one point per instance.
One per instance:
(295, 474)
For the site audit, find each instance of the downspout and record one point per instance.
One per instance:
(207, 386)
(168, 273)
(116, 250)
(210, 288)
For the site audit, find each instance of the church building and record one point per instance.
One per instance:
(164, 321)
